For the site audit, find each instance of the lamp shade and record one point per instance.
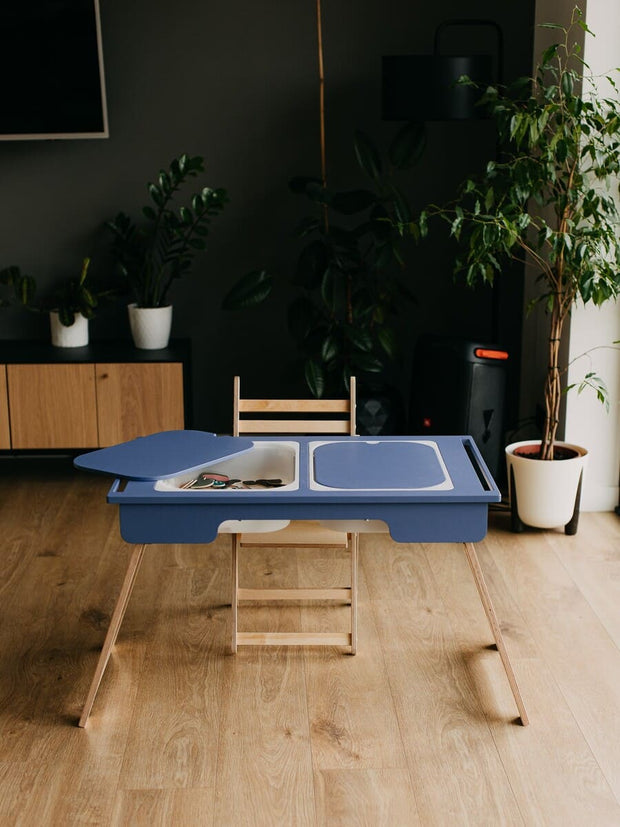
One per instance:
(426, 88)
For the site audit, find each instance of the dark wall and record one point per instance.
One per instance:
(236, 82)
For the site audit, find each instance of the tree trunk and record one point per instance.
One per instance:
(553, 388)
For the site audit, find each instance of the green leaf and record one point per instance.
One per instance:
(360, 338)
(408, 145)
(368, 363)
(388, 341)
(549, 54)
(156, 194)
(250, 290)
(367, 155)
(567, 83)
(329, 349)
(402, 210)
(315, 378)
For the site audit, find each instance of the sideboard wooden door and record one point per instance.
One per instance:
(52, 406)
(5, 432)
(136, 399)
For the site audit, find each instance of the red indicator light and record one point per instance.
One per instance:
(427, 422)
(486, 353)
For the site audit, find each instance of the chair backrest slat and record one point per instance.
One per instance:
(274, 408)
(296, 405)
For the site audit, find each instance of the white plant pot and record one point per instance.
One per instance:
(150, 326)
(76, 335)
(546, 493)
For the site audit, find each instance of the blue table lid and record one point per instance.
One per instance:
(162, 455)
(374, 464)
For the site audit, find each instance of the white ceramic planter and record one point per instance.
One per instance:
(546, 492)
(150, 326)
(76, 335)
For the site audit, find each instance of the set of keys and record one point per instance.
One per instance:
(210, 480)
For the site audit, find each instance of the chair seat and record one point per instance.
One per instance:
(298, 534)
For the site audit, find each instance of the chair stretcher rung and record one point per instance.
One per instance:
(295, 594)
(297, 534)
(294, 638)
(287, 426)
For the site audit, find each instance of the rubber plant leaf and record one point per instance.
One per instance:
(367, 155)
(250, 290)
(408, 145)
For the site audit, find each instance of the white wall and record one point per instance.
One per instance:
(587, 422)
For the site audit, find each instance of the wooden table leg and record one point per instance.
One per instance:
(354, 543)
(485, 597)
(113, 630)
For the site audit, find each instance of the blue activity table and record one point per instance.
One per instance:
(423, 490)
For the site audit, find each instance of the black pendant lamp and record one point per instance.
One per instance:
(426, 88)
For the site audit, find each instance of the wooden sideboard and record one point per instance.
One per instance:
(90, 397)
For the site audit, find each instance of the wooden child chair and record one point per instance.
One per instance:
(339, 418)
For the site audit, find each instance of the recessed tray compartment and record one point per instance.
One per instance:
(265, 460)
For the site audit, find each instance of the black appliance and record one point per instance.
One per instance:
(458, 387)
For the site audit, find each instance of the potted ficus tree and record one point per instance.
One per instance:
(549, 200)
(152, 254)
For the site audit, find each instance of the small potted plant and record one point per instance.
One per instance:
(547, 199)
(71, 305)
(152, 254)
(21, 287)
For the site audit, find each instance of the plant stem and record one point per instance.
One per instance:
(319, 31)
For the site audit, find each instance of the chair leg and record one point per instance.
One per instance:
(354, 543)
(234, 602)
(113, 630)
(485, 598)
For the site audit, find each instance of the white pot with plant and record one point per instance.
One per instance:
(153, 254)
(71, 305)
(547, 200)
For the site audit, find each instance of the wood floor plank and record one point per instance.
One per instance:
(366, 798)
(176, 713)
(581, 655)
(596, 572)
(440, 717)
(264, 760)
(163, 808)
(553, 738)
(353, 722)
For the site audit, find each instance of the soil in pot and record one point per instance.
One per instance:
(534, 451)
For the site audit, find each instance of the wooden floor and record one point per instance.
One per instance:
(416, 729)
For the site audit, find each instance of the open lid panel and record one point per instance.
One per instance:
(163, 455)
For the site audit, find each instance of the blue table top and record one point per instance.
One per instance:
(424, 490)
(343, 469)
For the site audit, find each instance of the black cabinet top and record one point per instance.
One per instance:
(30, 351)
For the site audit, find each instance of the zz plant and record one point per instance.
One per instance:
(550, 198)
(152, 254)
